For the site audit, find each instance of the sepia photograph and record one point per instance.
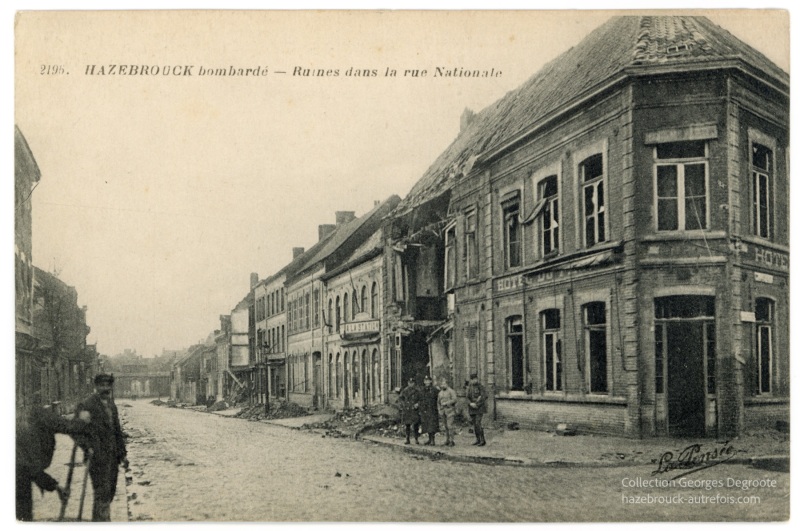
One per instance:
(445, 266)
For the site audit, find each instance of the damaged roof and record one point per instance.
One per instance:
(620, 46)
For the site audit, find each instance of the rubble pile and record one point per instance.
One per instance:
(157, 402)
(277, 410)
(218, 406)
(358, 421)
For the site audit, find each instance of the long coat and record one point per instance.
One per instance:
(429, 409)
(409, 404)
(107, 442)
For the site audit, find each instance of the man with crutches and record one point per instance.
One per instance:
(36, 442)
(104, 445)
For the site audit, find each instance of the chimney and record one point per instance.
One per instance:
(297, 251)
(343, 217)
(325, 231)
(466, 118)
(253, 280)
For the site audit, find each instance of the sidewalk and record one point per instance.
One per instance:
(47, 507)
(768, 449)
(537, 448)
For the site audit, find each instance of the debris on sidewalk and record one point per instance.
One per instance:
(277, 410)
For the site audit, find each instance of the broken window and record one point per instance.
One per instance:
(594, 208)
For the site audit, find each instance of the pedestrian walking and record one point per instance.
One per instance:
(104, 444)
(428, 410)
(36, 428)
(476, 395)
(409, 410)
(446, 402)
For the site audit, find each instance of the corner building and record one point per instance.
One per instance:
(617, 247)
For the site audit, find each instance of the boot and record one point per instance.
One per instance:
(482, 440)
(433, 439)
(430, 440)
(408, 434)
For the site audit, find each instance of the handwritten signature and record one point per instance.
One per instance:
(694, 458)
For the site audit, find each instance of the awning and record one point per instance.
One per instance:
(606, 257)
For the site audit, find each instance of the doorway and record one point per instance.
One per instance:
(685, 347)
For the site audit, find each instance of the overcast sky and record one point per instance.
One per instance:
(159, 195)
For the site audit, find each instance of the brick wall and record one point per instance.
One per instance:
(546, 415)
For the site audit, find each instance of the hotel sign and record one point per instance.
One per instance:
(767, 258)
(361, 328)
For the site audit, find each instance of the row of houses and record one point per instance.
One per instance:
(52, 358)
(606, 246)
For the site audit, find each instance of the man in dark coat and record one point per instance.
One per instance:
(428, 410)
(105, 445)
(36, 442)
(409, 409)
(476, 395)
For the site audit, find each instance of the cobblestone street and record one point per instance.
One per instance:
(187, 465)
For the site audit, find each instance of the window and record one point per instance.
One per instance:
(338, 315)
(547, 195)
(374, 303)
(364, 299)
(316, 308)
(450, 258)
(329, 317)
(594, 207)
(346, 307)
(356, 309)
(594, 319)
(338, 375)
(515, 351)
(511, 234)
(471, 245)
(281, 299)
(681, 187)
(765, 310)
(551, 345)
(761, 171)
(308, 311)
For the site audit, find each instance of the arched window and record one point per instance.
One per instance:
(363, 299)
(374, 301)
(329, 317)
(331, 381)
(338, 313)
(345, 305)
(356, 309)
(356, 373)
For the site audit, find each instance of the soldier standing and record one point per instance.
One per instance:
(105, 445)
(476, 395)
(409, 410)
(428, 410)
(447, 410)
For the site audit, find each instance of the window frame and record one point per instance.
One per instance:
(680, 198)
(588, 328)
(450, 255)
(580, 157)
(757, 137)
(767, 325)
(510, 210)
(558, 373)
(471, 256)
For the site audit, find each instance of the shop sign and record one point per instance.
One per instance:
(361, 328)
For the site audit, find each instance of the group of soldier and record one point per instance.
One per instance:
(423, 407)
(96, 429)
